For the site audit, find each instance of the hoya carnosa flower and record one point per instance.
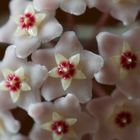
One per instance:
(67, 69)
(28, 23)
(71, 68)
(123, 10)
(63, 120)
(27, 28)
(8, 125)
(20, 81)
(14, 83)
(117, 116)
(75, 7)
(122, 61)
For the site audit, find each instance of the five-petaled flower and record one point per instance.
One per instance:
(20, 78)
(75, 67)
(122, 61)
(117, 116)
(63, 119)
(27, 28)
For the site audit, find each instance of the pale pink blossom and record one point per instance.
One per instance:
(61, 120)
(27, 28)
(119, 118)
(20, 81)
(71, 68)
(122, 61)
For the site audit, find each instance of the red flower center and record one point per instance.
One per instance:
(13, 82)
(66, 69)
(128, 60)
(123, 119)
(27, 21)
(60, 127)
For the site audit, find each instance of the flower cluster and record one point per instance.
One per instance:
(55, 85)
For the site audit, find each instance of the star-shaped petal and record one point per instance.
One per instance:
(67, 69)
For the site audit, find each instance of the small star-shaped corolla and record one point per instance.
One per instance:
(27, 28)
(20, 81)
(67, 69)
(122, 61)
(71, 68)
(63, 120)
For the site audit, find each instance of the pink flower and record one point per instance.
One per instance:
(27, 27)
(71, 68)
(118, 117)
(75, 7)
(63, 120)
(123, 10)
(20, 81)
(122, 61)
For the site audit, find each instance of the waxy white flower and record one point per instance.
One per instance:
(20, 81)
(60, 126)
(122, 61)
(63, 119)
(117, 116)
(29, 22)
(27, 28)
(14, 83)
(75, 67)
(67, 69)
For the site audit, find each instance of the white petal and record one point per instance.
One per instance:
(2, 86)
(15, 96)
(6, 72)
(66, 83)
(71, 121)
(20, 73)
(75, 59)
(47, 126)
(60, 58)
(33, 31)
(25, 87)
(30, 9)
(79, 75)
(20, 32)
(57, 137)
(40, 17)
(56, 116)
(53, 73)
